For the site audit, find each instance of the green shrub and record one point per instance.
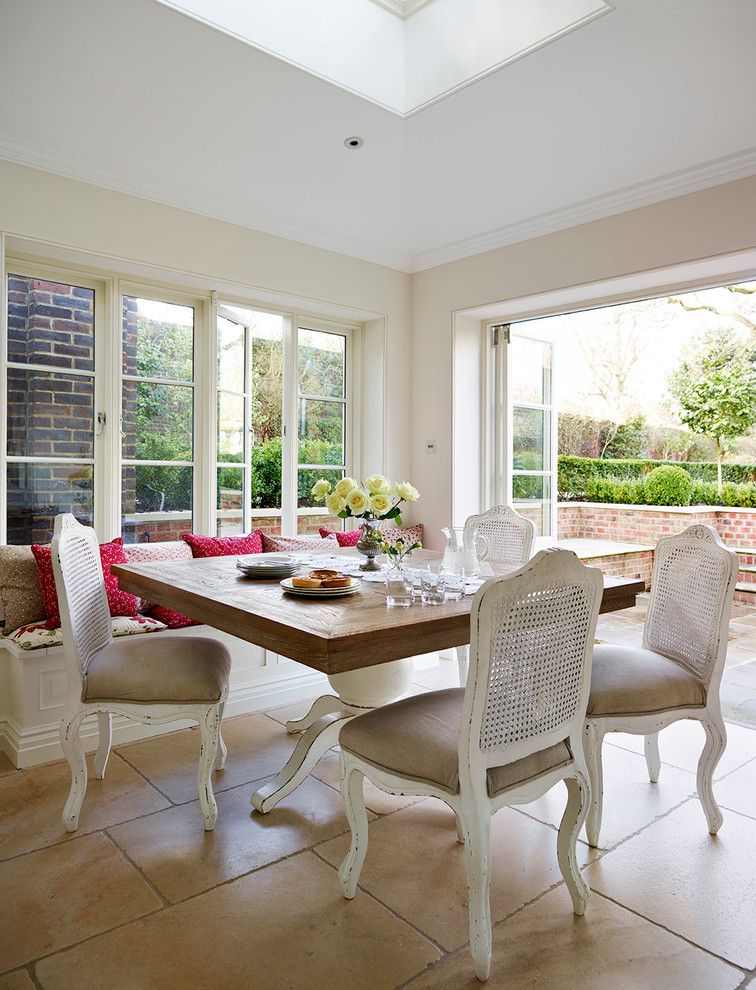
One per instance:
(668, 485)
(704, 493)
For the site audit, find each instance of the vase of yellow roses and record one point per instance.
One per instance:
(372, 502)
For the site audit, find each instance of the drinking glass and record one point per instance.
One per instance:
(399, 591)
(433, 583)
(455, 585)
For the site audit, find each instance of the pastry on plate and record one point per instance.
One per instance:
(320, 574)
(339, 581)
(306, 582)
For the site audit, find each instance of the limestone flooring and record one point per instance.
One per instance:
(141, 898)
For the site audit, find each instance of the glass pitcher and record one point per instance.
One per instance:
(459, 557)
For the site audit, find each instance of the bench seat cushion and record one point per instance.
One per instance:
(419, 738)
(167, 670)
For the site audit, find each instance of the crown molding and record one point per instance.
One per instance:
(182, 198)
(729, 168)
(402, 8)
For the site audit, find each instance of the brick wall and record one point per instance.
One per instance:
(647, 524)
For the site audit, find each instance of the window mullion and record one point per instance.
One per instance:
(289, 467)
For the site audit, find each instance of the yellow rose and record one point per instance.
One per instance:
(357, 501)
(377, 483)
(335, 503)
(380, 503)
(321, 488)
(345, 486)
(407, 492)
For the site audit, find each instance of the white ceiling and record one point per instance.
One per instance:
(650, 101)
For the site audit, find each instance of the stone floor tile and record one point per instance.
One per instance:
(446, 675)
(681, 744)
(694, 884)
(181, 859)
(546, 946)
(290, 712)
(5, 765)
(744, 675)
(631, 801)
(738, 791)
(376, 800)
(67, 893)
(416, 867)
(257, 747)
(285, 926)
(32, 803)
(18, 980)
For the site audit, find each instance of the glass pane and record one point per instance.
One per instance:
(158, 339)
(38, 492)
(230, 502)
(531, 497)
(230, 355)
(311, 515)
(156, 503)
(50, 415)
(322, 363)
(157, 422)
(50, 323)
(321, 432)
(230, 427)
(531, 370)
(531, 439)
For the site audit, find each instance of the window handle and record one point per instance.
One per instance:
(102, 421)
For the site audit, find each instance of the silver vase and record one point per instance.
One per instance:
(369, 545)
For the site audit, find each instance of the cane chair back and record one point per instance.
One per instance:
(691, 594)
(80, 584)
(500, 535)
(532, 637)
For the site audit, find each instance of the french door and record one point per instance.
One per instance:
(525, 425)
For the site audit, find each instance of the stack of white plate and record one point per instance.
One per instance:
(268, 568)
(350, 589)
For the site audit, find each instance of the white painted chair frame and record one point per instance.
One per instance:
(704, 544)
(472, 804)
(85, 619)
(514, 545)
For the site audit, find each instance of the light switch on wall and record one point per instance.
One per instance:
(430, 446)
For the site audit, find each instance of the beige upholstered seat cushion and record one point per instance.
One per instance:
(161, 669)
(419, 738)
(628, 680)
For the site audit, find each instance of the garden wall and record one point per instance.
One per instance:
(648, 523)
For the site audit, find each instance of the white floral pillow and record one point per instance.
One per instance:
(37, 635)
(278, 544)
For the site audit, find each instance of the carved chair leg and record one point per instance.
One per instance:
(575, 813)
(476, 822)
(105, 727)
(716, 741)
(463, 663)
(653, 762)
(209, 730)
(460, 830)
(70, 740)
(593, 739)
(222, 754)
(352, 781)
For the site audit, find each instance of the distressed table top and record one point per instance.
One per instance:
(334, 635)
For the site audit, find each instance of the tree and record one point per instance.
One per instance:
(715, 390)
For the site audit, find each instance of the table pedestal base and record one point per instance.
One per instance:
(359, 691)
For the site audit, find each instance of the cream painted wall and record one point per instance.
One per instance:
(713, 222)
(60, 211)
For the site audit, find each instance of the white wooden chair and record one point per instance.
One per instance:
(676, 673)
(501, 536)
(153, 679)
(512, 734)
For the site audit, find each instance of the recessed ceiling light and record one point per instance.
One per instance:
(353, 143)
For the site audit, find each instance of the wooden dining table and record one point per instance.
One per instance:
(363, 646)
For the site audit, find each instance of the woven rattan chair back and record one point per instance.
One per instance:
(500, 535)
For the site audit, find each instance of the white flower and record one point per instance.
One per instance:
(407, 492)
(345, 486)
(380, 503)
(357, 501)
(335, 503)
(321, 488)
(377, 483)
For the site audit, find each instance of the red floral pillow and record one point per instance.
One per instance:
(174, 620)
(120, 602)
(223, 546)
(348, 539)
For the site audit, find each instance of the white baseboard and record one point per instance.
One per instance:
(27, 747)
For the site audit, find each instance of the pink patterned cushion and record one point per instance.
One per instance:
(174, 620)
(119, 602)
(350, 538)
(223, 546)
(273, 544)
(409, 534)
(37, 635)
(148, 553)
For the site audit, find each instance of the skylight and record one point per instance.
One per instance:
(401, 54)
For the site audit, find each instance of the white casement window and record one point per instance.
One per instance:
(147, 411)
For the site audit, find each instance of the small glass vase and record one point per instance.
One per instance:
(399, 591)
(369, 544)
